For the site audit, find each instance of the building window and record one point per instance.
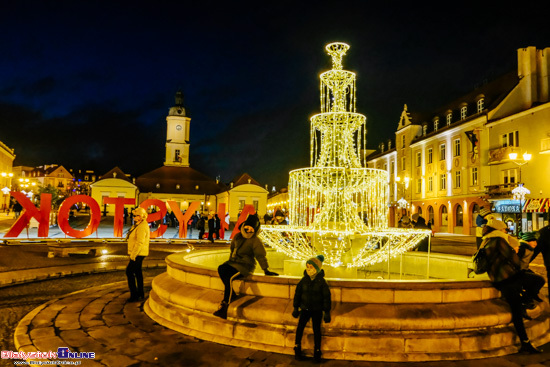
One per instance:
(509, 176)
(255, 204)
(392, 167)
(443, 182)
(403, 140)
(458, 216)
(463, 112)
(431, 214)
(430, 155)
(419, 186)
(457, 148)
(442, 152)
(177, 155)
(458, 178)
(430, 183)
(403, 163)
(241, 204)
(424, 129)
(436, 124)
(480, 105)
(385, 166)
(510, 139)
(474, 176)
(449, 118)
(418, 159)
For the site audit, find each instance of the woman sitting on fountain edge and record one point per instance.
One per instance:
(245, 249)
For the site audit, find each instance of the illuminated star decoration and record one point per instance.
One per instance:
(337, 207)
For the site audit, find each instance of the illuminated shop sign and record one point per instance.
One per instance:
(507, 206)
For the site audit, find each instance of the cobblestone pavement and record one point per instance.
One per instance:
(97, 317)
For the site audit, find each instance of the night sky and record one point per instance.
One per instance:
(88, 84)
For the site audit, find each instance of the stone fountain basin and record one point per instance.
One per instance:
(376, 320)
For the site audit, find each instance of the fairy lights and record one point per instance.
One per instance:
(337, 207)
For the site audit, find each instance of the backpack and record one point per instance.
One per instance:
(480, 261)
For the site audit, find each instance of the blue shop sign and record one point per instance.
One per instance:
(507, 206)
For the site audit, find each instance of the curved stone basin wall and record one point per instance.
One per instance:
(371, 320)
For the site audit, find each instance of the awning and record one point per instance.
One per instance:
(541, 205)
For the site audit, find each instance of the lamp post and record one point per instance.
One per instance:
(519, 194)
(520, 162)
(402, 203)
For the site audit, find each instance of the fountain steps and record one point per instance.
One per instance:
(422, 329)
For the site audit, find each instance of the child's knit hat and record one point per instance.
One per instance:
(317, 262)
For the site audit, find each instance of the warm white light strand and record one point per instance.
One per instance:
(338, 207)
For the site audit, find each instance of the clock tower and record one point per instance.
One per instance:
(177, 135)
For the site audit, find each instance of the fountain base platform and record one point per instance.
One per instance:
(372, 320)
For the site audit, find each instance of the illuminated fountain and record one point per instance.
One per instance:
(339, 208)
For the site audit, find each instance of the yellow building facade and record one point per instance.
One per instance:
(447, 164)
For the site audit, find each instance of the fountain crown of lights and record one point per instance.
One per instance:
(337, 206)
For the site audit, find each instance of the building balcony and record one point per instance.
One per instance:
(500, 155)
(503, 191)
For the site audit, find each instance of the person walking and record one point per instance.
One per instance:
(138, 248)
(246, 248)
(543, 246)
(217, 225)
(532, 282)
(211, 228)
(311, 299)
(200, 226)
(419, 222)
(506, 275)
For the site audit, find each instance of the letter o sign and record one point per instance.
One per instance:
(63, 216)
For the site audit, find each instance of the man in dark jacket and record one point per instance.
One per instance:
(543, 245)
(311, 299)
(211, 229)
(245, 248)
(506, 275)
(420, 222)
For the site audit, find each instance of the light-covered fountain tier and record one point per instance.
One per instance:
(337, 207)
(389, 320)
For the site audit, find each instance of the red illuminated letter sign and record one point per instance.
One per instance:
(42, 215)
(248, 209)
(119, 212)
(63, 216)
(156, 216)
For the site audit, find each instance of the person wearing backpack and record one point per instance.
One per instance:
(504, 270)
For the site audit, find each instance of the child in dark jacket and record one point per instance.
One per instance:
(311, 299)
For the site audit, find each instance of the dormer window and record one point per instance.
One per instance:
(389, 144)
(424, 129)
(436, 123)
(449, 118)
(480, 104)
(463, 112)
(382, 147)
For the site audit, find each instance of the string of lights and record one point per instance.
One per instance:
(337, 207)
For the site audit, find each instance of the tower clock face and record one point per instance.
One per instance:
(178, 127)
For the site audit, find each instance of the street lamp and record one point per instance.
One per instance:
(519, 194)
(514, 158)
